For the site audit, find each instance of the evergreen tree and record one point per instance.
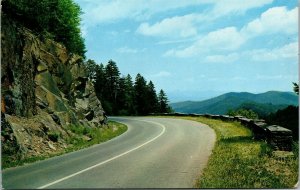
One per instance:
(163, 102)
(96, 74)
(91, 69)
(152, 103)
(140, 92)
(296, 88)
(112, 75)
(100, 82)
(121, 98)
(129, 96)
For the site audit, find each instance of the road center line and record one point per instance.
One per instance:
(113, 158)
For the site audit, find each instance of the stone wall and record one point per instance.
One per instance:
(278, 137)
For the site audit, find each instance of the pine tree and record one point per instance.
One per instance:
(163, 102)
(152, 103)
(140, 94)
(96, 74)
(129, 96)
(100, 82)
(112, 75)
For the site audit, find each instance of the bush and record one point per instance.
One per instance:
(243, 112)
(54, 136)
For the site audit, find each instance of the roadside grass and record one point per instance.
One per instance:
(96, 135)
(76, 142)
(238, 161)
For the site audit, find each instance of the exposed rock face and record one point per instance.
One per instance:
(44, 89)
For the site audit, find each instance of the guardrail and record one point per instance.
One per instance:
(278, 137)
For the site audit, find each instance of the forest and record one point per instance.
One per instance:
(123, 95)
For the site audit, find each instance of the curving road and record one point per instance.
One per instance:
(152, 153)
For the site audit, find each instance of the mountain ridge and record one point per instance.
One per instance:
(232, 100)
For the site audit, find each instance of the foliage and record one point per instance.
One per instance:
(288, 118)
(120, 95)
(74, 143)
(96, 135)
(54, 136)
(153, 102)
(56, 19)
(243, 112)
(140, 96)
(262, 110)
(163, 102)
(238, 161)
(296, 88)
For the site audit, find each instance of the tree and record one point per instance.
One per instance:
(91, 66)
(56, 19)
(296, 88)
(96, 74)
(152, 103)
(119, 96)
(100, 82)
(140, 95)
(163, 102)
(129, 96)
(112, 75)
(243, 112)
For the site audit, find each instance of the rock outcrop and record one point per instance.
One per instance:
(44, 89)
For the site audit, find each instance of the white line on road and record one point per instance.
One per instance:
(106, 161)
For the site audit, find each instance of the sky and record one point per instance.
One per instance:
(196, 49)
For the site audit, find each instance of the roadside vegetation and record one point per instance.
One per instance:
(123, 95)
(82, 138)
(238, 161)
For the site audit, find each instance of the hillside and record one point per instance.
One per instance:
(270, 101)
(44, 90)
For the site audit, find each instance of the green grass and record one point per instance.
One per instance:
(96, 135)
(77, 142)
(238, 161)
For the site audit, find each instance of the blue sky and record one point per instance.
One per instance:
(196, 49)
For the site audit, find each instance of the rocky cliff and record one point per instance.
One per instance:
(44, 90)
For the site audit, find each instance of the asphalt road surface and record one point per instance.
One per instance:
(152, 153)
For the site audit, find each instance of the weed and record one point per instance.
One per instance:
(76, 142)
(53, 136)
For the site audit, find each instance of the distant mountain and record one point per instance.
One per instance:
(265, 103)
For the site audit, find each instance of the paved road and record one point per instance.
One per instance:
(153, 153)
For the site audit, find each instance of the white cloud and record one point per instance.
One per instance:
(274, 20)
(161, 74)
(230, 58)
(103, 11)
(127, 50)
(288, 51)
(274, 77)
(225, 39)
(96, 12)
(178, 26)
(223, 7)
